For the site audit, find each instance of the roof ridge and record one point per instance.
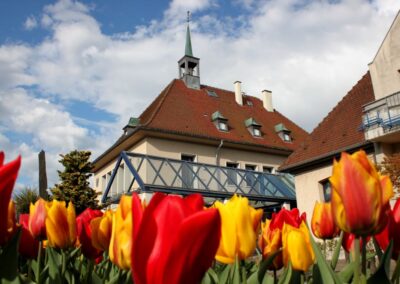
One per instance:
(229, 91)
(340, 102)
(163, 93)
(290, 120)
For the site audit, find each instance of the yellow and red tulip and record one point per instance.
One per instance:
(8, 175)
(84, 232)
(391, 231)
(360, 195)
(240, 223)
(101, 228)
(37, 219)
(61, 224)
(322, 224)
(297, 247)
(28, 245)
(176, 237)
(270, 240)
(121, 236)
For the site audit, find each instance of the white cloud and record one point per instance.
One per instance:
(309, 53)
(30, 23)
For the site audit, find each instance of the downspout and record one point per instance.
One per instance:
(217, 152)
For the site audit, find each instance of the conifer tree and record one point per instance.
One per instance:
(74, 184)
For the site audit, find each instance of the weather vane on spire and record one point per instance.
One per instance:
(188, 16)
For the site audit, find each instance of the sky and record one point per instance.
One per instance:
(73, 72)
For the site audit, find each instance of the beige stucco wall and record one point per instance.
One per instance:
(384, 68)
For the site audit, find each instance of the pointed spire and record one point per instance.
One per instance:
(188, 46)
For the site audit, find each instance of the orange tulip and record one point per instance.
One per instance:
(61, 224)
(37, 219)
(101, 231)
(121, 236)
(322, 223)
(8, 175)
(360, 196)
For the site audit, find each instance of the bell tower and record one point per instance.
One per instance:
(189, 66)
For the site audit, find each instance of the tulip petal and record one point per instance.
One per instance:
(188, 260)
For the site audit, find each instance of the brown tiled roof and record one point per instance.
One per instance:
(339, 130)
(187, 111)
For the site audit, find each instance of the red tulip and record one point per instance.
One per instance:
(37, 219)
(28, 245)
(176, 240)
(391, 231)
(8, 175)
(348, 241)
(84, 232)
(270, 240)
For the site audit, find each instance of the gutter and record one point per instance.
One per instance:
(218, 151)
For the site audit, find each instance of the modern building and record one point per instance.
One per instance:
(368, 118)
(201, 125)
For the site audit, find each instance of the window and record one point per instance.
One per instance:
(267, 169)
(250, 177)
(286, 137)
(249, 103)
(231, 174)
(187, 170)
(212, 93)
(326, 190)
(222, 126)
(256, 132)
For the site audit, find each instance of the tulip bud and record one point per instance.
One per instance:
(61, 225)
(101, 230)
(28, 245)
(360, 196)
(37, 219)
(322, 223)
(84, 232)
(297, 247)
(240, 223)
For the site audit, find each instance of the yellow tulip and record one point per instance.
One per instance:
(297, 247)
(240, 223)
(101, 230)
(61, 224)
(360, 196)
(121, 236)
(270, 241)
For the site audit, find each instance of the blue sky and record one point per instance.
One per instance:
(73, 72)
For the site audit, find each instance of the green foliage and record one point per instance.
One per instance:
(24, 198)
(74, 184)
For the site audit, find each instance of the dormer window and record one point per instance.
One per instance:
(283, 132)
(253, 126)
(220, 121)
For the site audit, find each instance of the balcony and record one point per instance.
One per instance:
(142, 173)
(381, 119)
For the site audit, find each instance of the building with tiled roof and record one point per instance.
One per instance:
(367, 118)
(205, 124)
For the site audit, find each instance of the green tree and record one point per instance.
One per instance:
(24, 198)
(74, 184)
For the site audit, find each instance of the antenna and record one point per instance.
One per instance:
(188, 17)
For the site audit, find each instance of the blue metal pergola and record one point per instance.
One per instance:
(144, 173)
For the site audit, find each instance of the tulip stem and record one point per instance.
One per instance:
(39, 258)
(364, 256)
(275, 279)
(356, 251)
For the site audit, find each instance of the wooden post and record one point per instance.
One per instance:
(42, 175)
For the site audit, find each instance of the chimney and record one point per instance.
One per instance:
(267, 100)
(238, 93)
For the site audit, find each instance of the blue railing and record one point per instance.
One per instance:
(144, 173)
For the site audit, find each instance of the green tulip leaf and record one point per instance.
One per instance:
(327, 274)
(268, 279)
(9, 259)
(336, 252)
(262, 271)
(381, 275)
(224, 274)
(396, 272)
(377, 248)
(54, 262)
(287, 275)
(210, 277)
(235, 272)
(316, 275)
(347, 272)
